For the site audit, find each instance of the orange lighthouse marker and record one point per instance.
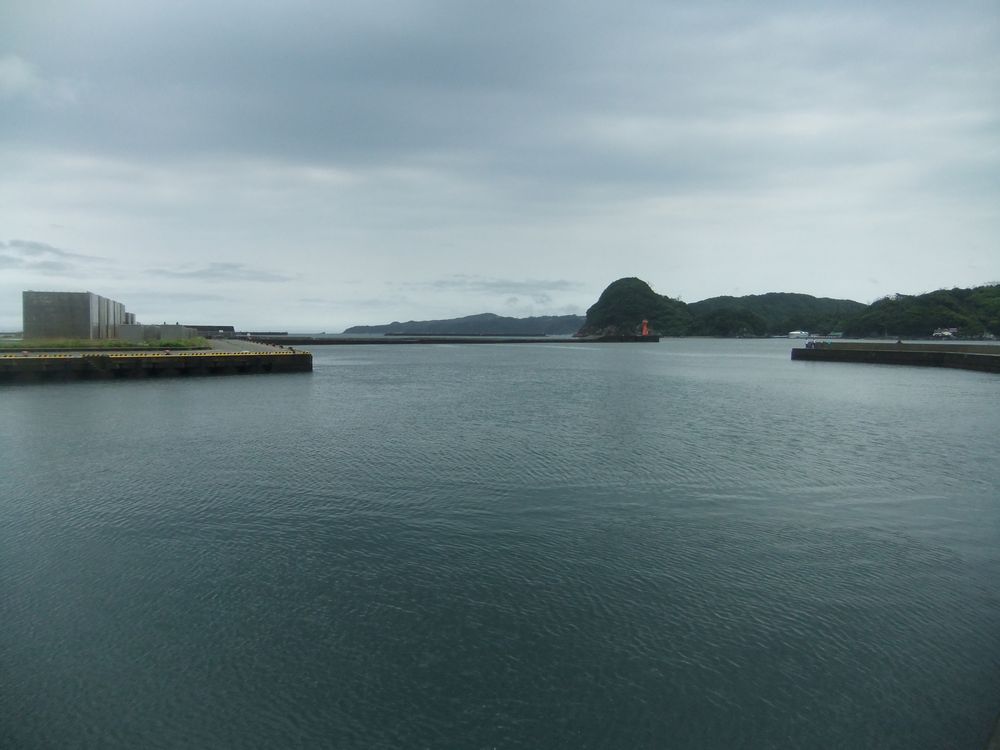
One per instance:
(645, 328)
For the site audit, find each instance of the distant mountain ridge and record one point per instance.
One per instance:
(625, 303)
(483, 324)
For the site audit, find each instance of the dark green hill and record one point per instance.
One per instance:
(483, 324)
(771, 314)
(625, 303)
(623, 306)
(972, 311)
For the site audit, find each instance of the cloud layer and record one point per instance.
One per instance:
(44, 260)
(409, 152)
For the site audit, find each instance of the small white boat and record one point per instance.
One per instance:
(798, 334)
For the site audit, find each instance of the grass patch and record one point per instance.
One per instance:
(99, 344)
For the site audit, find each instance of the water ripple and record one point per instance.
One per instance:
(504, 547)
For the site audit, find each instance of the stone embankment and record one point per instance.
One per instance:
(981, 357)
(43, 367)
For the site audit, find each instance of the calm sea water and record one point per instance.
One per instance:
(696, 544)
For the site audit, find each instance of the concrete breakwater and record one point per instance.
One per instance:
(30, 368)
(391, 338)
(984, 358)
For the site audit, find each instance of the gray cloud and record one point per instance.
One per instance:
(703, 146)
(44, 259)
(538, 290)
(476, 284)
(19, 79)
(666, 94)
(222, 272)
(367, 303)
(32, 249)
(180, 298)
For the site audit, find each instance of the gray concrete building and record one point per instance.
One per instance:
(70, 315)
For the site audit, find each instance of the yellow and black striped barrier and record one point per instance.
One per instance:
(41, 355)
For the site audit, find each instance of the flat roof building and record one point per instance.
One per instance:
(70, 315)
(214, 332)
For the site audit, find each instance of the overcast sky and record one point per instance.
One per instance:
(313, 165)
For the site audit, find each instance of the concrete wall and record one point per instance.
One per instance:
(44, 367)
(983, 358)
(95, 315)
(175, 332)
(70, 315)
(52, 315)
(913, 346)
(137, 334)
(110, 315)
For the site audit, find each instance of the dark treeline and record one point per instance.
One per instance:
(974, 312)
(771, 314)
(625, 303)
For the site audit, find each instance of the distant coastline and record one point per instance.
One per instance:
(966, 314)
(484, 324)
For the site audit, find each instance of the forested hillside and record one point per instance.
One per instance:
(771, 314)
(625, 303)
(973, 312)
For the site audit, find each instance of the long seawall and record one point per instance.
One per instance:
(402, 339)
(981, 357)
(33, 368)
